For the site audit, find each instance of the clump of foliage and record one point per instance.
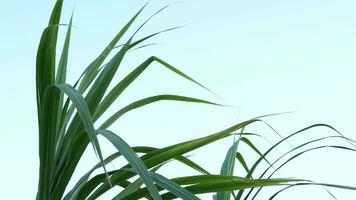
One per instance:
(66, 116)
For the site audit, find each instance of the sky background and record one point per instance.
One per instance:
(262, 57)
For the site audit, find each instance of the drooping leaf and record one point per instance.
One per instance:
(242, 161)
(215, 183)
(89, 73)
(122, 85)
(254, 166)
(299, 154)
(156, 157)
(134, 186)
(173, 187)
(83, 111)
(134, 161)
(147, 101)
(313, 184)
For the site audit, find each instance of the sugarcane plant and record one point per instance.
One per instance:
(66, 117)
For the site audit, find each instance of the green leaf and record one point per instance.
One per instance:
(122, 85)
(61, 78)
(215, 183)
(133, 159)
(45, 62)
(191, 164)
(45, 73)
(147, 101)
(72, 194)
(63, 62)
(69, 157)
(252, 169)
(299, 147)
(255, 149)
(173, 187)
(83, 111)
(74, 130)
(228, 168)
(134, 186)
(90, 72)
(56, 13)
(242, 161)
(299, 154)
(313, 184)
(156, 157)
(133, 44)
(49, 111)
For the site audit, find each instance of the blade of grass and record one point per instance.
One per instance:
(84, 113)
(95, 73)
(63, 62)
(45, 69)
(292, 150)
(76, 127)
(215, 183)
(227, 168)
(242, 161)
(89, 73)
(122, 85)
(154, 158)
(149, 100)
(300, 146)
(92, 99)
(134, 186)
(61, 78)
(134, 161)
(173, 187)
(301, 153)
(252, 169)
(149, 36)
(313, 184)
(255, 149)
(72, 194)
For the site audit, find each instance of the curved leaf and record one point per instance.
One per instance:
(215, 183)
(156, 157)
(133, 159)
(173, 187)
(123, 84)
(147, 101)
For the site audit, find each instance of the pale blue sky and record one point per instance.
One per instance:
(262, 56)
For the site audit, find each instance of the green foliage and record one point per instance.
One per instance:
(66, 116)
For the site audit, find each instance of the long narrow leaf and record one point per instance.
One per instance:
(134, 186)
(228, 168)
(297, 155)
(45, 76)
(61, 78)
(252, 169)
(83, 111)
(313, 184)
(133, 159)
(122, 85)
(156, 157)
(215, 183)
(173, 187)
(147, 101)
(89, 73)
(242, 161)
